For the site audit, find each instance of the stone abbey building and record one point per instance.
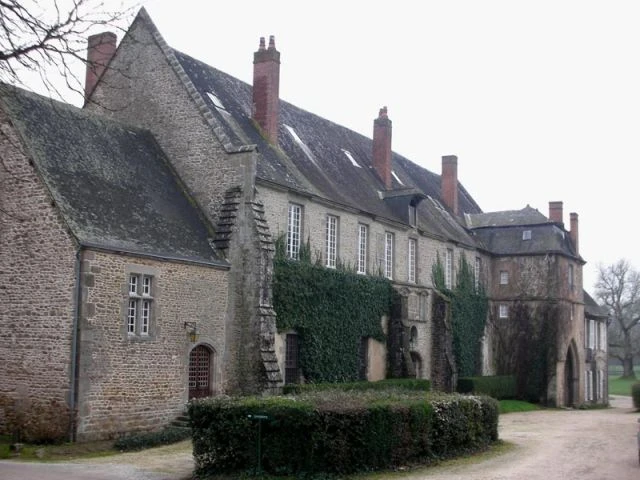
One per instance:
(138, 241)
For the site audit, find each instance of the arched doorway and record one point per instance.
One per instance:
(570, 377)
(200, 372)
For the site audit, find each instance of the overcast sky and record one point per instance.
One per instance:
(540, 100)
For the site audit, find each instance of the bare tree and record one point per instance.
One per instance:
(46, 40)
(618, 290)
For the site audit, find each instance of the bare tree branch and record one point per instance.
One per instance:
(47, 39)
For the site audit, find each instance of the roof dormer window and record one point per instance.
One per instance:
(526, 235)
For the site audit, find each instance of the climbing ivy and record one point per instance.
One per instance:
(469, 307)
(331, 310)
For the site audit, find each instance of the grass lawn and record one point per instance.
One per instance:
(508, 406)
(620, 386)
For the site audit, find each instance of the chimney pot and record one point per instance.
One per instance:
(382, 147)
(449, 182)
(100, 50)
(266, 89)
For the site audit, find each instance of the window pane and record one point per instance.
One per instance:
(133, 284)
(331, 240)
(448, 268)
(293, 231)
(362, 249)
(412, 260)
(146, 313)
(146, 286)
(388, 255)
(131, 316)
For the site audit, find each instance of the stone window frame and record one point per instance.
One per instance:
(141, 300)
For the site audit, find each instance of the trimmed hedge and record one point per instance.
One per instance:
(500, 387)
(140, 441)
(338, 432)
(635, 395)
(399, 383)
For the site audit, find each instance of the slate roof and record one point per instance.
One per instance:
(320, 157)
(112, 183)
(592, 309)
(503, 233)
(526, 216)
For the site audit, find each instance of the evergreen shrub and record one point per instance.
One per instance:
(140, 441)
(334, 431)
(635, 395)
(418, 384)
(500, 387)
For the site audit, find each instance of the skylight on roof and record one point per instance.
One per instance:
(307, 151)
(396, 177)
(216, 101)
(350, 157)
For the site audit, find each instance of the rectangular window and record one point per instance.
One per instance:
(504, 277)
(140, 304)
(132, 315)
(571, 278)
(292, 352)
(476, 273)
(412, 215)
(592, 334)
(388, 255)
(503, 311)
(133, 284)
(411, 260)
(146, 286)
(526, 235)
(448, 268)
(331, 241)
(362, 248)
(294, 231)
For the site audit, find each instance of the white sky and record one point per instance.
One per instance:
(540, 100)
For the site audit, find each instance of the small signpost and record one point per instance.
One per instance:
(259, 419)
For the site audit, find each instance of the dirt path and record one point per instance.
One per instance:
(558, 444)
(547, 445)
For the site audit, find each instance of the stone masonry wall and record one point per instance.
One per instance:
(141, 88)
(134, 382)
(37, 262)
(418, 302)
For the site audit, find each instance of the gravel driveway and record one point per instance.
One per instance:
(548, 445)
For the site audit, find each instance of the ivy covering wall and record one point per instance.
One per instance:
(469, 308)
(331, 310)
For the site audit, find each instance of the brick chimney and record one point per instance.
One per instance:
(266, 89)
(382, 147)
(573, 218)
(555, 212)
(100, 50)
(449, 182)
